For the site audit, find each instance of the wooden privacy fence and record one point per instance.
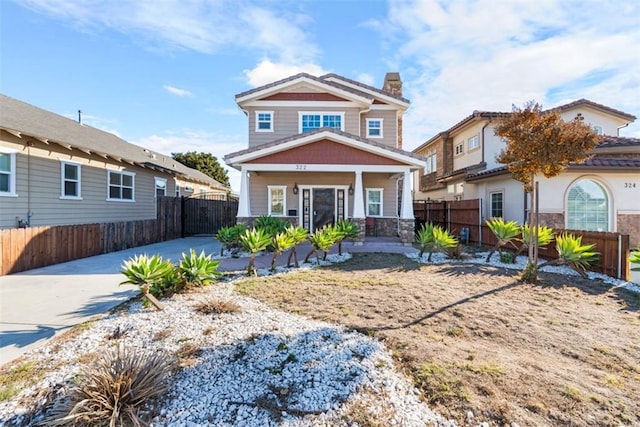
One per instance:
(456, 215)
(205, 216)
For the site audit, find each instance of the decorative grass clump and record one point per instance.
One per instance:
(112, 390)
(216, 306)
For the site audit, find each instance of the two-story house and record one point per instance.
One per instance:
(57, 171)
(601, 194)
(327, 148)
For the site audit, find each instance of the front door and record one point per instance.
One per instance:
(324, 207)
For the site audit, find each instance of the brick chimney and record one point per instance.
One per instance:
(393, 85)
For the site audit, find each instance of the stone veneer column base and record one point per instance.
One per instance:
(359, 239)
(407, 231)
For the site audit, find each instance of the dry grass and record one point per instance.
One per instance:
(216, 306)
(563, 352)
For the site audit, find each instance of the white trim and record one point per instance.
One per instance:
(271, 124)
(321, 114)
(311, 187)
(477, 143)
(490, 204)
(284, 199)
(369, 91)
(461, 144)
(306, 139)
(296, 104)
(133, 186)
(372, 119)
(263, 167)
(366, 205)
(12, 173)
(63, 196)
(155, 185)
(611, 216)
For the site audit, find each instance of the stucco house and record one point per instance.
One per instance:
(57, 171)
(321, 149)
(602, 194)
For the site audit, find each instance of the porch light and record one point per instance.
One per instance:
(295, 188)
(351, 189)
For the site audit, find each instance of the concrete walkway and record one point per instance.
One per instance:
(36, 305)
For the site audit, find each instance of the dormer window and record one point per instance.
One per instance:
(264, 121)
(312, 121)
(374, 128)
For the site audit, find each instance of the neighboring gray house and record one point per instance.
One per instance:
(56, 171)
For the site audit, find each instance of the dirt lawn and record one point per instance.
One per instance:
(479, 344)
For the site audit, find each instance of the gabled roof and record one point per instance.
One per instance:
(583, 102)
(235, 159)
(22, 119)
(618, 141)
(332, 83)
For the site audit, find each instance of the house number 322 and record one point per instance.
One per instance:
(629, 185)
(301, 167)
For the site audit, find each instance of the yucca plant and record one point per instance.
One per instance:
(545, 236)
(424, 237)
(254, 241)
(229, 237)
(298, 235)
(147, 272)
(572, 253)
(271, 224)
(442, 241)
(198, 270)
(280, 243)
(505, 232)
(321, 240)
(635, 259)
(345, 230)
(112, 390)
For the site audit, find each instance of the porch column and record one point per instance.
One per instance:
(244, 208)
(358, 199)
(406, 211)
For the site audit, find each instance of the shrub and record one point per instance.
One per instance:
(424, 237)
(572, 253)
(198, 270)
(434, 239)
(635, 259)
(229, 237)
(113, 389)
(298, 235)
(254, 241)
(270, 224)
(545, 236)
(505, 232)
(280, 243)
(345, 230)
(216, 306)
(148, 273)
(321, 240)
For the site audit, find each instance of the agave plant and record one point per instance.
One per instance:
(229, 237)
(321, 240)
(424, 237)
(198, 270)
(345, 230)
(442, 241)
(254, 241)
(505, 232)
(545, 236)
(298, 235)
(147, 272)
(272, 225)
(572, 253)
(635, 259)
(280, 243)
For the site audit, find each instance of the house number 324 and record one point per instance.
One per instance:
(629, 185)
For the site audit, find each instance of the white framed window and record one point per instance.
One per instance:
(598, 129)
(432, 162)
(161, 186)
(496, 204)
(277, 199)
(121, 186)
(473, 143)
(188, 188)
(309, 121)
(588, 206)
(8, 173)
(374, 201)
(374, 128)
(70, 180)
(264, 121)
(458, 149)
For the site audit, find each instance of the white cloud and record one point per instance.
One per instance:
(366, 78)
(185, 140)
(267, 71)
(177, 91)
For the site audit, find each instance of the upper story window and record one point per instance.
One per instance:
(121, 186)
(432, 162)
(374, 201)
(7, 173)
(473, 143)
(277, 199)
(458, 149)
(264, 121)
(374, 128)
(161, 186)
(311, 121)
(70, 176)
(598, 129)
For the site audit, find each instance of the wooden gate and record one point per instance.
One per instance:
(202, 216)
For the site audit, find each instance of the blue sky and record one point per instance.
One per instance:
(164, 73)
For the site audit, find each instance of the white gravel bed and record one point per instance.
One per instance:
(519, 264)
(256, 367)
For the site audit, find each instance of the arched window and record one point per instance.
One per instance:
(588, 207)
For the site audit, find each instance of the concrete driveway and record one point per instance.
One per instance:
(37, 304)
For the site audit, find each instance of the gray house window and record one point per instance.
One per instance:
(7, 174)
(71, 178)
(121, 186)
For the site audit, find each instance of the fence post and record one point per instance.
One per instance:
(480, 222)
